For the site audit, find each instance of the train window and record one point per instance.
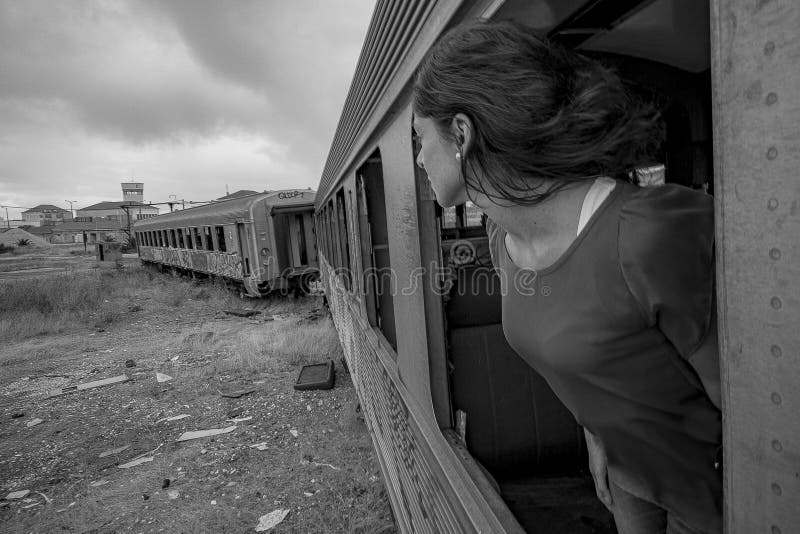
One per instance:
(344, 242)
(180, 238)
(458, 222)
(173, 241)
(220, 232)
(198, 239)
(187, 238)
(207, 241)
(379, 285)
(160, 235)
(449, 219)
(301, 238)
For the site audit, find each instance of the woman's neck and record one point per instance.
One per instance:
(541, 232)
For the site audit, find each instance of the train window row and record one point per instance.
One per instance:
(196, 238)
(357, 219)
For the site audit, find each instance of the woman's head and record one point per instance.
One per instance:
(527, 116)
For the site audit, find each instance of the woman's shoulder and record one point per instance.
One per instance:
(652, 217)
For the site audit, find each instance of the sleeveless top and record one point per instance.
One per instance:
(612, 325)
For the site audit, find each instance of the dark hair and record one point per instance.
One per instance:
(539, 111)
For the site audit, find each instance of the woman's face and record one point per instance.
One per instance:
(438, 157)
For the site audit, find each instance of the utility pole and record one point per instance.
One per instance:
(71, 202)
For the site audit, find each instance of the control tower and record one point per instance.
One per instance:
(133, 191)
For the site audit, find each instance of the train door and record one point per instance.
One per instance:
(241, 233)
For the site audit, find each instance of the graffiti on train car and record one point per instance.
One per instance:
(289, 194)
(228, 265)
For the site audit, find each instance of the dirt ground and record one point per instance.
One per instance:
(307, 452)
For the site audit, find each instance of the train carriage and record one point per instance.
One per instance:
(468, 437)
(263, 241)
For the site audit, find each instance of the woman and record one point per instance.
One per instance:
(609, 287)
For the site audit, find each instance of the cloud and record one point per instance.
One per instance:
(92, 91)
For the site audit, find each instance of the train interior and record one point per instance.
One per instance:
(295, 250)
(512, 423)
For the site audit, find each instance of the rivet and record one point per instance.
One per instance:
(771, 99)
(776, 445)
(772, 153)
(772, 204)
(775, 253)
(769, 48)
(776, 303)
(776, 351)
(775, 530)
(776, 489)
(776, 399)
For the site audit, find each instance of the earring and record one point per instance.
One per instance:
(458, 155)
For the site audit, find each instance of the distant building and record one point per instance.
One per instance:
(116, 211)
(97, 230)
(16, 223)
(133, 192)
(46, 215)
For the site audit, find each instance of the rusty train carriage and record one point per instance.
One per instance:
(469, 439)
(264, 241)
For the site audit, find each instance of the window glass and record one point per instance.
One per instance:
(220, 231)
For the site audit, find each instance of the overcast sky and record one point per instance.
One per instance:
(184, 96)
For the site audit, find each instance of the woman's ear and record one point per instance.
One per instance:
(461, 126)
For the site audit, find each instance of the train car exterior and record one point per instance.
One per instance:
(468, 438)
(264, 241)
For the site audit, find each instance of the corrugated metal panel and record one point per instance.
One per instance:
(394, 25)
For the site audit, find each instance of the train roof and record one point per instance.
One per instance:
(229, 211)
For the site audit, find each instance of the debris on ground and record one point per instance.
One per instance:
(316, 376)
(165, 483)
(242, 312)
(136, 462)
(235, 412)
(33, 422)
(130, 363)
(271, 520)
(17, 495)
(70, 505)
(205, 433)
(293, 432)
(175, 358)
(174, 418)
(239, 419)
(89, 385)
(238, 393)
(98, 483)
(161, 377)
(47, 499)
(260, 446)
(17, 415)
(173, 494)
(114, 451)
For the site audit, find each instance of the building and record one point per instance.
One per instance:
(133, 192)
(96, 230)
(116, 211)
(46, 215)
(16, 223)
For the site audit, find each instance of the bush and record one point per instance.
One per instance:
(4, 249)
(24, 242)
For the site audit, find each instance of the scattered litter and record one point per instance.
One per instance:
(260, 446)
(130, 363)
(373, 478)
(134, 463)
(30, 506)
(238, 393)
(175, 358)
(242, 312)
(173, 494)
(114, 451)
(293, 432)
(259, 382)
(98, 483)
(327, 465)
(239, 420)
(89, 385)
(70, 505)
(174, 417)
(307, 494)
(213, 502)
(46, 498)
(17, 415)
(34, 422)
(316, 376)
(235, 412)
(272, 519)
(308, 407)
(205, 433)
(161, 377)
(165, 483)
(17, 495)
(145, 496)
